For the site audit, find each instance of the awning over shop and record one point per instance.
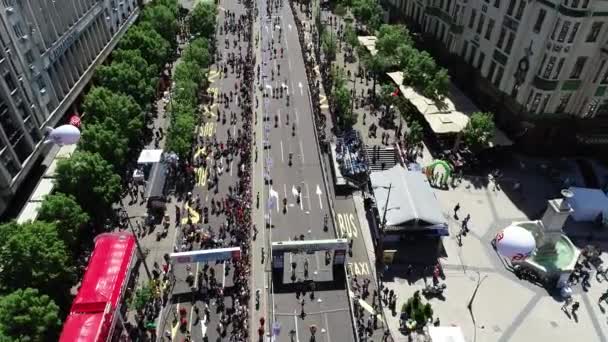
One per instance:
(412, 205)
(448, 116)
(369, 42)
(149, 156)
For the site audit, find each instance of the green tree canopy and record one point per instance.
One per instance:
(163, 19)
(414, 135)
(202, 19)
(479, 130)
(368, 11)
(188, 72)
(143, 37)
(421, 72)
(91, 180)
(32, 254)
(185, 94)
(123, 78)
(66, 213)
(377, 65)
(392, 41)
(104, 139)
(180, 136)
(198, 52)
(329, 45)
(135, 59)
(26, 315)
(343, 98)
(127, 116)
(350, 36)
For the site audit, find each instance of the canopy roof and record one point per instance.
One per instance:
(412, 203)
(149, 156)
(369, 42)
(92, 312)
(451, 115)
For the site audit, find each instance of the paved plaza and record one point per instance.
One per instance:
(505, 308)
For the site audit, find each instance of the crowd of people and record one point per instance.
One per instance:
(224, 218)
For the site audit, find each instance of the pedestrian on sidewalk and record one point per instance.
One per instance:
(566, 304)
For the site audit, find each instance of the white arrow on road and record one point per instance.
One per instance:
(289, 26)
(273, 198)
(294, 191)
(300, 85)
(266, 26)
(319, 193)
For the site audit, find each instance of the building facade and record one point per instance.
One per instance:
(543, 61)
(48, 52)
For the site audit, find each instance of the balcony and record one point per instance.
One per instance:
(543, 84)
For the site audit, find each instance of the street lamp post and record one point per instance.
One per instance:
(139, 250)
(380, 256)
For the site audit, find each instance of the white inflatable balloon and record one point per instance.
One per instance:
(515, 243)
(64, 135)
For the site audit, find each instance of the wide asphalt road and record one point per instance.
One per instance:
(328, 310)
(211, 128)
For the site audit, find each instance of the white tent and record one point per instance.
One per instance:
(446, 334)
(149, 156)
(588, 203)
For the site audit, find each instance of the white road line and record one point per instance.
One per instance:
(307, 196)
(279, 115)
(282, 154)
(295, 320)
(223, 275)
(297, 117)
(289, 62)
(327, 328)
(234, 131)
(231, 167)
(301, 152)
(285, 190)
(291, 88)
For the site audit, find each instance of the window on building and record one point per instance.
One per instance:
(602, 110)
(472, 18)
(510, 43)
(520, 9)
(29, 57)
(490, 28)
(585, 4)
(18, 30)
(482, 57)
(535, 103)
(22, 148)
(573, 32)
(605, 78)
(448, 5)
(10, 127)
(501, 38)
(8, 3)
(542, 65)
(539, 20)
(23, 110)
(563, 32)
(549, 67)
(10, 83)
(592, 107)
(40, 83)
(511, 7)
(577, 70)
(498, 77)
(482, 18)
(575, 3)
(465, 47)
(563, 102)
(473, 54)
(9, 163)
(560, 65)
(599, 70)
(594, 31)
(559, 20)
(491, 70)
(497, 3)
(543, 105)
(34, 132)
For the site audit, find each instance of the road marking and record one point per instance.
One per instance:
(319, 193)
(308, 198)
(291, 88)
(199, 152)
(297, 116)
(295, 320)
(289, 62)
(301, 152)
(231, 167)
(282, 157)
(347, 227)
(300, 86)
(358, 268)
(223, 275)
(175, 328)
(192, 214)
(289, 25)
(279, 116)
(364, 304)
(201, 175)
(323, 102)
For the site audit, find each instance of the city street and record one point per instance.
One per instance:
(208, 295)
(289, 160)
